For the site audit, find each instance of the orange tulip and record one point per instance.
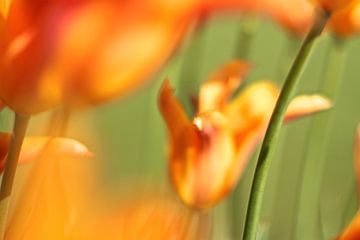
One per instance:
(45, 209)
(208, 154)
(346, 22)
(333, 5)
(352, 232)
(84, 52)
(295, 15)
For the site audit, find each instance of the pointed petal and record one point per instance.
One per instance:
(305, 105)
(173, 113)
(215, 92)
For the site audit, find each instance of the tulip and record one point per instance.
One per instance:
(209, 153)
(352, 232)
(82, 53)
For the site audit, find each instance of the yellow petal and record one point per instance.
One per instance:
(305, 105)
(215, 92)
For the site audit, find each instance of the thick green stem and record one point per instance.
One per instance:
(19, 131)
(273, 131)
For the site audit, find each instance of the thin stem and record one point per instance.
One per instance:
(204, 226)
(273, 130)
(19, 131)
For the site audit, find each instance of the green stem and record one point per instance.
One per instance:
(273, 130)
(19, 131)
(204, 226)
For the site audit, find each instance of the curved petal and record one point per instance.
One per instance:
(216, 91)
(333, 5)
(4, 7)
(306, 105)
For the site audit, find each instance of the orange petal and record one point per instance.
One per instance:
(333, 5)
(305, 105)
(352, 232)
(4, 7)
(346, 22)
(173, 113)
(253, 106)
(216, 91)
(45, 209)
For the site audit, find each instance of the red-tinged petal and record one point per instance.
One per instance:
(352, 232)
(306, 105)
(4, 147)
(346, 22)
(216, 91)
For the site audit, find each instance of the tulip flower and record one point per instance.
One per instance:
(45, 209)
(209, 153)
(295, 15)
(82, 53)
(352, 232)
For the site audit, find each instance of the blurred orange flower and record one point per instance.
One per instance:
(208, 154)
(346, 22)
(140, 217)
(84, 52)
(333, 5)
(45, 208)
(295, 15)
(352, 232)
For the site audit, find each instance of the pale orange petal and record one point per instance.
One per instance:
(216, 91)
(253, 105)
(305, 105)
(346, 22)
(4, 7)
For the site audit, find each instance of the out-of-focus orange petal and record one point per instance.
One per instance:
(216, 91)
(346, 22)
(305, 105)
(333, 5)
(155, 217)
(252, 106)
(352, 232)
(44, 209)
(295, 15)
(4, 7)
